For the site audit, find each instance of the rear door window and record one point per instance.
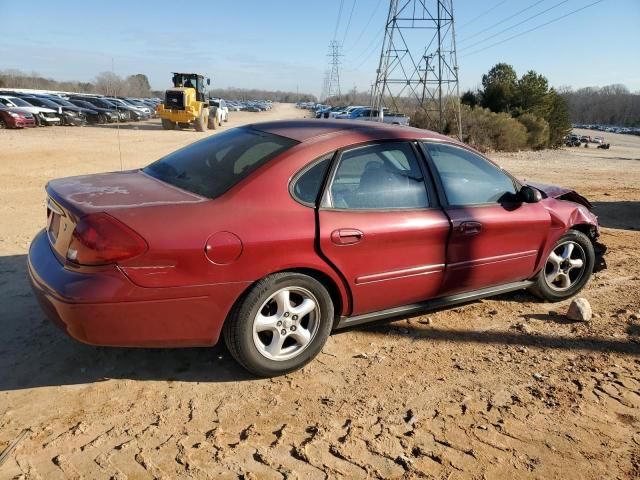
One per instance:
(307, 184)
(212, 166)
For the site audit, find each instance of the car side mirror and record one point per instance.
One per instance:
(208, 81)
(529, 194)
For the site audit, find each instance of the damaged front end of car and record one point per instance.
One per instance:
(581, 215)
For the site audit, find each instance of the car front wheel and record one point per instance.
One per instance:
(280, 325)
(567, 268)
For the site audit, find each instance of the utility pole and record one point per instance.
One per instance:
(418, 67)
(333, 88)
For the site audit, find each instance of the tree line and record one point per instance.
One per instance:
(610, 105)
(259, 94)
(105, 83)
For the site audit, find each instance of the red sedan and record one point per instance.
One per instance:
(275, 234)
(14, 118)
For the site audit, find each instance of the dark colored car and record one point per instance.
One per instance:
(68, 115)
(122, 115)
(14, 118)
(90, 114)
(105, 115)
(276, 233)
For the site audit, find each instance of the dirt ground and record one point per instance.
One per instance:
(501, 388)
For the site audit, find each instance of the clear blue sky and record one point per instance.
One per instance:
(282, 44)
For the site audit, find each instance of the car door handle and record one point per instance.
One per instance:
(346, 236)
(470, 228)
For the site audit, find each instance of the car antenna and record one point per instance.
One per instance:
(117, 119)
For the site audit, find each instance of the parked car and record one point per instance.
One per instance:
(90, 114)
(572, 140)
(43, 116)
(282, 231)
(135, 113)
(344, 114)
(220, 106)
(104, 115)
(123, 115)
(140, 104)
(68, 115)
(14, 118)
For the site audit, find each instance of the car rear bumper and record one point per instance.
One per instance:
(106, 308)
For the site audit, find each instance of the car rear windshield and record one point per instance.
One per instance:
(212, 166)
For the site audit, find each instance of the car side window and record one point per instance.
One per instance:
(469, 179)
(307, 185)
(382, 176)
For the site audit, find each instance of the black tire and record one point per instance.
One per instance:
(3, 124)
(211, 121)
(200, 123)
(102, 118)
(238, 328)
(550, 292)
(168, 124)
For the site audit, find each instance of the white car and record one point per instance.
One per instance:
(344, 113)
(220, 106)
(43, 116)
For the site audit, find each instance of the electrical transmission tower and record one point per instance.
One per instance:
(418, 69)
(333, 87)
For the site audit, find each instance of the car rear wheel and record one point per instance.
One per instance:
(280, 325)
(567, 268)
(3, 124)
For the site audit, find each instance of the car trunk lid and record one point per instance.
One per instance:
(71, 198)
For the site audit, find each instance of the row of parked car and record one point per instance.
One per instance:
(354, 112)
(249, 105)
(610, 129)
(28, 109)
(575, 140)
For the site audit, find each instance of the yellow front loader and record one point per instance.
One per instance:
(186, 104)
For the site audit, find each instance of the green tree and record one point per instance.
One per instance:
(499, 88)
(470, 98)
(537, 130)
(558, 118)
(532, 92)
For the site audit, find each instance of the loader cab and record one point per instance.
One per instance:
(192, 80)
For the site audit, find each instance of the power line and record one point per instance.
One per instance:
(346, 30)
(502, 21)
(535, 28)
(371, 51)
(486, 12)
(335, 32)
(518, 24)
(373, 13)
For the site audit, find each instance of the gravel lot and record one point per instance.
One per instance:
(501, 388)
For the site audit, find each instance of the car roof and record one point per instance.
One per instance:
(305, 130)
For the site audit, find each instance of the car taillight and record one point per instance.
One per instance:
(100, 239)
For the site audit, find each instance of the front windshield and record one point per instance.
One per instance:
(48, 103)
(20, 102)
(63, 102)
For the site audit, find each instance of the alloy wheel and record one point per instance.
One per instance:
(565, 266)
(286, 323)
